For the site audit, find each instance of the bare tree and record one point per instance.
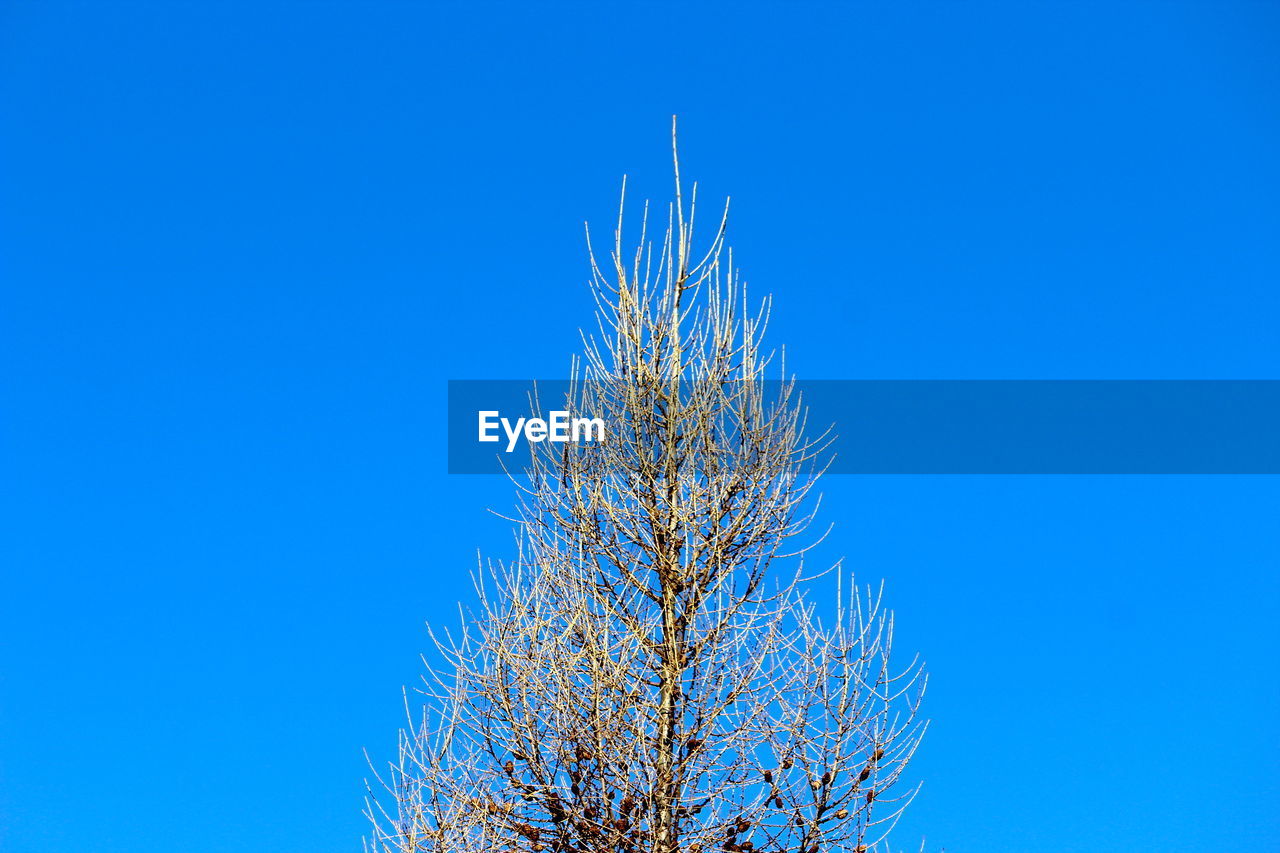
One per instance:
(644, 676)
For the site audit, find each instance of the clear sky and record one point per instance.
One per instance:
(244, 245)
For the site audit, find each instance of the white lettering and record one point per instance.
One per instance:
(586, 425)
(512, 434)
(557, 427)
(487, 423)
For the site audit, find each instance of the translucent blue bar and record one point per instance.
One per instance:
(972, 426)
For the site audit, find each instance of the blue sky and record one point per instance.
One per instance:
(244, 245)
